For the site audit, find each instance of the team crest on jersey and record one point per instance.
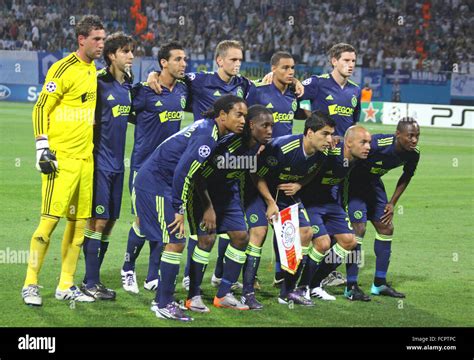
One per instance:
(99, 209)
(315, 229)
(183, 102)
(294, 105)
(51, 87)
(253, 218)
(204, 151)
(240, 92)
(307, 81)
(272, 161)
(354, 101)
(358, 214)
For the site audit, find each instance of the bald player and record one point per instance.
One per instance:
(322, 200)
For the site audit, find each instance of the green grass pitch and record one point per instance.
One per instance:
(432, 257)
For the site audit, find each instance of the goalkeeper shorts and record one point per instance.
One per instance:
(68, 192)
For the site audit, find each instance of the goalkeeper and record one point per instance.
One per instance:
(63, 119)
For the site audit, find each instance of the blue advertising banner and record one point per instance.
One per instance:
(23, 93)
(18, 67)
(374, 78)
(400, 76)
(45, 60)
(428, 78)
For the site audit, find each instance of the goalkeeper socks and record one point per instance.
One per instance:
(104, 245)
(91, 248)
(250, 268)
(74, 237)
(199, 262)
(233, 261)
(134, 246)
(221, 248)
(169, 269)
(154, 260)
(192, 242)
(383, 249)
(312, 266)
(331, 261)
(352, 265)
(39, 247)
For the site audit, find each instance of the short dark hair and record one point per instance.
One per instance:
(276, 57)
(336, 50)
(116, 41)
(254, 113)
(224, 103)
(87, 24)
(317, 120)
(403, 123)
(165, 51)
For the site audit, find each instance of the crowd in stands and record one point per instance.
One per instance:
(399, 34)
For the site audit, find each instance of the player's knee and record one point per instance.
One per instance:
(177, 248)
(79, 225)
(347, 241)
(206, 242)
(240, 239)
(359, 229)
(322, 244)
(45, 229)
(98, 225)
(384, 229)
(258, 235)
(306, 235)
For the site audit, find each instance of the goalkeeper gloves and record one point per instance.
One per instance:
(46, 161)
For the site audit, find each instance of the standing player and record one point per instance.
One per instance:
(335, 94)
(367, 199)
(162, 187)
(63, 120)
(286, 160)
(321, 198)
(218, 207)
(158, 116)
(110, 130)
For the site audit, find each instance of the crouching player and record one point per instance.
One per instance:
(162, 187)
(112, 113)
(216, 206)
(367, 199)
(321, 199)
(286, 160)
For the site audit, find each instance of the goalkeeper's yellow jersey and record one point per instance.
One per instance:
(65, 109)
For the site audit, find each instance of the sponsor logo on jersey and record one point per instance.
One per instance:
(88, 96)
(171, 116)
(283, 117)
(120, 110)
(340, 110)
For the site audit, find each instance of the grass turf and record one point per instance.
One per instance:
(432, 257)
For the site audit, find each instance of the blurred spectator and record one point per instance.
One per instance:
(366, 94)
(391, 34)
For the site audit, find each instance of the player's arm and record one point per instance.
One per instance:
(51, 94)
(198, 150)
(299, 88)
(258, 178)
(402, 184)
(209, 216)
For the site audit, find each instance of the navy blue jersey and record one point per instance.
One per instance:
(157, 118)
(206, 88)
(229, 163)
(324, 186)
(173, 164)
(283, 160)
(326, 95)
(111, 116)
(382, 158)
(283, 106)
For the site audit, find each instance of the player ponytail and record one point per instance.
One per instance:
(317, 121)
(224, 103)
(254, 113)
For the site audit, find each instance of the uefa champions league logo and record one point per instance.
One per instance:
(288, 232)
(204, 151)
(51, 86)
